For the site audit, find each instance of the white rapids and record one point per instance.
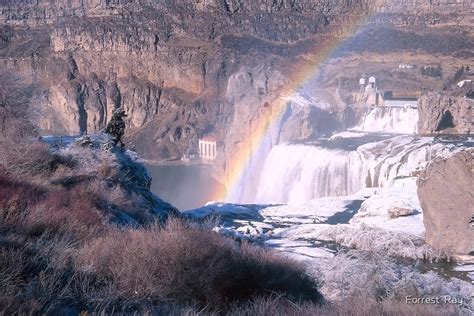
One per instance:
(397, 120)
(296, 173)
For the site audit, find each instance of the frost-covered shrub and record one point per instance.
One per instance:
(374, 276)
(89, 154)
(357, 306)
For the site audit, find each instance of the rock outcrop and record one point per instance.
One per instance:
(447, 199)
(445, 114)
(99, 162)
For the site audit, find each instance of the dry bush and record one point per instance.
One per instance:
(185, 263)
(107, 170)
(34, 159)
(80, 210)
(139, 271)
(36, 275)
(65, 211)
(16, 197)
(14, 266)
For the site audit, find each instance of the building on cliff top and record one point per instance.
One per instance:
(371, 95)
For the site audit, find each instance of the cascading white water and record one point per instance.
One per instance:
(299, 173)
(296, 173)
(400, 120)
(245, 188)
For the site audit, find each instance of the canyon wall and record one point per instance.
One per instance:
(186, 69)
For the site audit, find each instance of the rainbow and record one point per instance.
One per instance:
(304, 70)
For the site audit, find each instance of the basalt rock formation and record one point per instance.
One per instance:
(184, 69)
(445, 193)
(445, 114)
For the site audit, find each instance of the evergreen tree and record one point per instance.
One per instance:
(458, 74)
(116, 126)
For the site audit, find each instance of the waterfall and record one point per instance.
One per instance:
(244, 190)
(295, 173)
(400, 120)
(298, 173)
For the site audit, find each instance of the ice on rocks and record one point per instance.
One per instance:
(301, 250)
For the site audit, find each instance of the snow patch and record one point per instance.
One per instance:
(300, 250)
(379, 209)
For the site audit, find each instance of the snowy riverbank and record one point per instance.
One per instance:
(347, 238)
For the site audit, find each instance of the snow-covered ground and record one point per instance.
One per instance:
(347, 134)
(322, 232)
(304, 100)
(369, 208)
(381, 220)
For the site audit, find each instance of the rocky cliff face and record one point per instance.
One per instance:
(185, 69)
(445, 193)
(445, 114)
(174, 78)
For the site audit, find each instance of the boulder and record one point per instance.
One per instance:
(397, 211)
(447, 199)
